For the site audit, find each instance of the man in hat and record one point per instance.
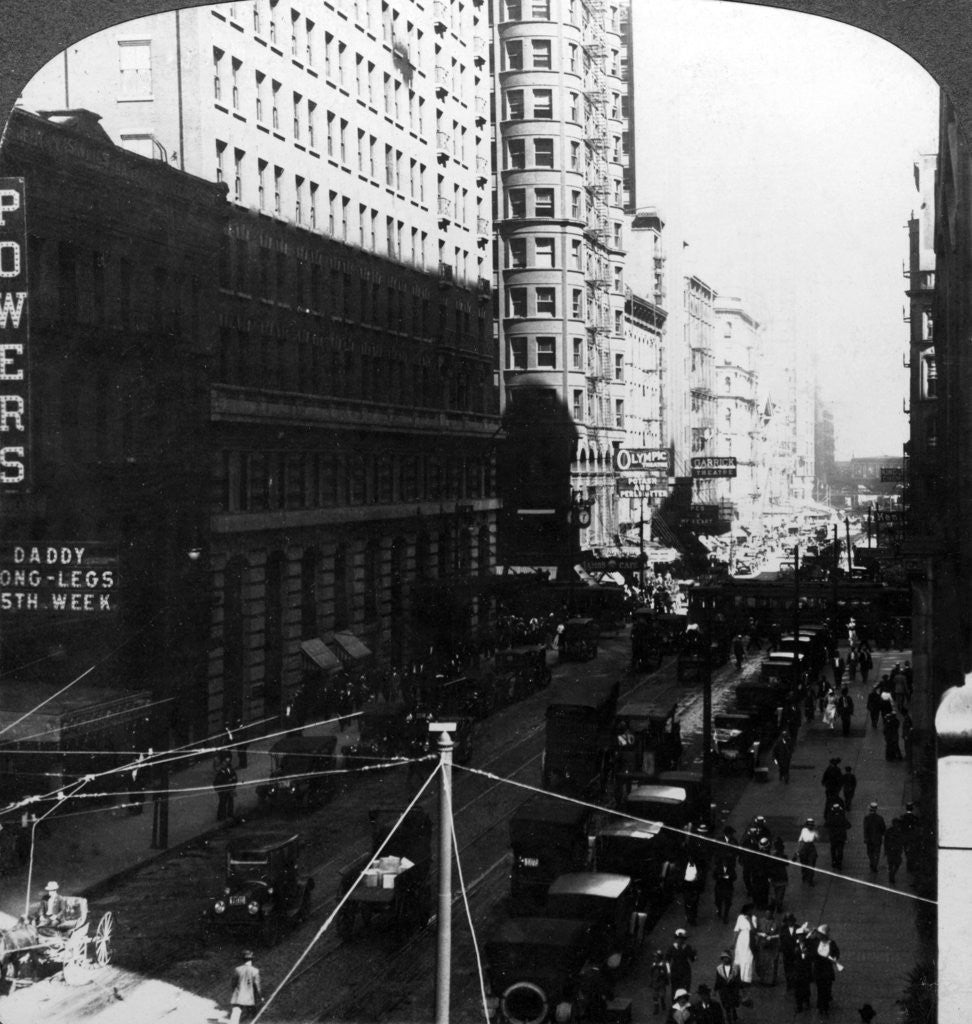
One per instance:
(51, 913)
(825, 957)
(837, 828)
(874, 828)
(247, 993)
(832, 782)
(707, 1011)
(802, 969)
(910, 829)
(659, 975)
(845, 710)
(893, 848)
(759, 876)
(848, 785)
(723, 880)
(728, 986)
(788, 944)
(680, 956)
(681, 1011)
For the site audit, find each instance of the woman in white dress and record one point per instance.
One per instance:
(743, 949)
(830, 709)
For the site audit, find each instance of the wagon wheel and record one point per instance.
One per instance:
(103, 938)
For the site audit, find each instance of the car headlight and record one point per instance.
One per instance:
(253, 907)
(219, 907)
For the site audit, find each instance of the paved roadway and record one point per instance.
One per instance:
(167, 970)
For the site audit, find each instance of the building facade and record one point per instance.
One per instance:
(824, 442)
(559, 69)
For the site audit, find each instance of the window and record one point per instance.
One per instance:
(577, 304)
(517, 200)
(517, 301)
(547, 353)
(313, 204)
(217, 73)
(344, 141)
(235, 67)
(575, 161)
(541, 53)
(618, 321)
(389, 165)
(299, 199)
(617, 234)
(238, 175)
(619, 412)
(543, 152)
(544, 248)
(540, 9)
(518, 252)
(297, 101)
(135, 69)
(575, 108)
(576, 254)
(515, 154)
(576, 209)
(578, 350)
(618, 366)
(543, 202)
(618, 280)
(578, 405)
(261, 85)
(573, 52)
(518, 353)
(311, 119)
(514, 104)
(546, 302)
(220, 160)
(514, 55)
(277, 181)
(514, 10)
(542, 103)
(275, 95)
(330, 132)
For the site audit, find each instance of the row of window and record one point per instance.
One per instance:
(541, 251)
(596, 409)
(540, 301)
(540, 352)
(574, 12)
(272, 481)
(578, 61)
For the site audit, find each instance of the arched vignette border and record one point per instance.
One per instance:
(936, 33)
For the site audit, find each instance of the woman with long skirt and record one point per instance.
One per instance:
(742, 955)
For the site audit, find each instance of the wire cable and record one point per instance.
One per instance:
(347, 895)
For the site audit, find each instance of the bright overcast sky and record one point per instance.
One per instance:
(781, 147)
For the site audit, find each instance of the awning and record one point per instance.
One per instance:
(319, 653)
(350, 648)
(526, 570)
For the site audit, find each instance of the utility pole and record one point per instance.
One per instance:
(707, 597)
(444, 937)
(641, 540)
(796, 600)
(833, 574)
(850, 567)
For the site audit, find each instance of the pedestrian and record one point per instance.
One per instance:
(728, 986)
(681, 1011)
(826, 955)
(830, 708)
(832, 781)
(892, 730)
(729, 845)
(908, 737)
(874, 829)
(782, 754)
(848, 786)
(779, 875)
(808, 704)
(659, 978)
(759, 880)
(742, 955)
(247, 994)
(707, 1011)
(224, 782)
(723, 881)
(837, 829)
(874, 705)
(899, 688)
(693, 882)
(865, 663)
(837, 664)
(807, 850)
(738, 650)
(802, 970)
(788, 944)
(852, 664)
(893, 848)
(767, 953)
(910, 833)
(680, 956)
(845, 710)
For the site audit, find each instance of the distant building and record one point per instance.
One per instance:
(824, 441)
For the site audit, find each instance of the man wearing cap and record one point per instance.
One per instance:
(832, 782)
(825, 957)
(246, 989)
(707, 1011)
(874, 829)
(837, 828)
(680, 956)
(728, 986)
(759, 876)
(802, 971)
(788, 944)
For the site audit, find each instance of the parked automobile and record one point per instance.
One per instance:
(735, 741)
(299, 773)
(264, 890)
(579, 639)
(657, 741)
(608, 901)
(641, 850)
(579, 738)
(535, 969)
(668, 805)
(548, 837)
(520, 672)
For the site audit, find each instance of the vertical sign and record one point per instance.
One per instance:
(14, 339)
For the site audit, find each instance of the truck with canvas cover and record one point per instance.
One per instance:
(548, 837)
(579, 737)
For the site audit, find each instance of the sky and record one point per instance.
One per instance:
(781, 147)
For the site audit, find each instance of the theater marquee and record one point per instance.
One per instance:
(14, 332)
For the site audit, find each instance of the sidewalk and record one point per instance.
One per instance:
(86, 848)
(873, 928)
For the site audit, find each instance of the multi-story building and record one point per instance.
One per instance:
(369, 126)
(350, 393)
(699, 427)
(559, 69)
(735, 385)
(824, 443)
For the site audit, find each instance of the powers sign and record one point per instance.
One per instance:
(14, 379)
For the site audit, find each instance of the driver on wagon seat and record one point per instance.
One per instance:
(52, 907)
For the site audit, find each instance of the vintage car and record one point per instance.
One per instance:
(520, 672)
(657, 740)
(301, 770)
(548, 837)
(667, 804)
(735, 741)
(641, 850)
(393, 887)
(383, 731)
(608, 901)
(579, 741)
(264, 889)
(647, 641)
(579, 639)
(536, 970)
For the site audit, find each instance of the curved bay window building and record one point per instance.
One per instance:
(559, 188)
